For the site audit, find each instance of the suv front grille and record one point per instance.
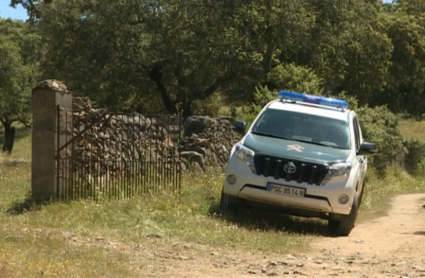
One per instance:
(310, 173)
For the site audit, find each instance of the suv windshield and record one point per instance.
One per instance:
(303, 127)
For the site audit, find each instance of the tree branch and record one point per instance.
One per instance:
(155, 73)
(18, 119)
(198, 94)
(267, 58)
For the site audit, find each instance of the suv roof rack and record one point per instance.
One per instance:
(331, 102)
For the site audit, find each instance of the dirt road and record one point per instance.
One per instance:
(391, 246)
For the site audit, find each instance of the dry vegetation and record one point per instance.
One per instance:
(146, 236)
(413, 129)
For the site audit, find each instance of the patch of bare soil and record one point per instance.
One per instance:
(391, 246)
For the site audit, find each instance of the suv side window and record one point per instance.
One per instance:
(356, 132)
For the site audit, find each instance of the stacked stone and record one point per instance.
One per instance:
(208, 141)
(109, 142)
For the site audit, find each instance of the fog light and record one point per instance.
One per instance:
(231, 179)
(343, 199)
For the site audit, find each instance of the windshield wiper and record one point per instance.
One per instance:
(270, 135)
(320, 144)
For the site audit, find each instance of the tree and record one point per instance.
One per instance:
(32, 7)
(349, 48)
(19, 52)
(405, 88)
(120, 51)
(272, 32)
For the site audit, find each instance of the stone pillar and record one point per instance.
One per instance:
(46, 96)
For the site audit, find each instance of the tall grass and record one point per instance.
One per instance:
(412, 129)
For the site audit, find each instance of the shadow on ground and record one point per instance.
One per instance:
(420, 233)
(26, 205)
(264, 220)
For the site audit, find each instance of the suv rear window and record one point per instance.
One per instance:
(303, 127)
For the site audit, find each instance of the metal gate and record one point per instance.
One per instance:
(103, 155)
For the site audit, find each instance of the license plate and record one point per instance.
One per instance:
(286, 190)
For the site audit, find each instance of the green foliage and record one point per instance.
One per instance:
(19, 55)
(415, 158)
(196, 57)
(351, 100)
(282, 77)
(210, 106)
(295, 78)
(380, 126)
(145, 56)
(348, 48)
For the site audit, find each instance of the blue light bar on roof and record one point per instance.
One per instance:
(338, 103)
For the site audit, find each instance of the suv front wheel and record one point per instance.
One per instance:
(229, 203)
(344, 225)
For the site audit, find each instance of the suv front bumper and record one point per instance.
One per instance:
(252, 187)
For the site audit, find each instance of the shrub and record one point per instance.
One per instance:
(209, 106)
(415, 157)
(288, 77)
(380, 126)
(295, 78)
(351, 100)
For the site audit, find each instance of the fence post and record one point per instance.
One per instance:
(46, 96)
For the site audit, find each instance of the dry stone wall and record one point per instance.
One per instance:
(107, 138)
(208, 141)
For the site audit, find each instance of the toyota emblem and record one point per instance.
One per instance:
(290, 168)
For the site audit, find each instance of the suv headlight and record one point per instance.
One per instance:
(246, 155)
(338, 170)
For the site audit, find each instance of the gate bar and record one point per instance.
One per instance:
(84, 130)
(58, 150)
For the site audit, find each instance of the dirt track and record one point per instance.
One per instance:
(391, 246)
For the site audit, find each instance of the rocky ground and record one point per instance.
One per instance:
(391, 246)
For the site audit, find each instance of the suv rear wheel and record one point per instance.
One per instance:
(345, 224)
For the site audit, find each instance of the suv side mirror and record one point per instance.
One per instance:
(240, 126)
(367, 148)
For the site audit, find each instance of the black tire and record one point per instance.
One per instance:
(229, 204)
(345, 224)
(361, 194)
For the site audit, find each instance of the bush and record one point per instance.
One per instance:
(295, 78)
(210, 106)
(380, 126)
(415, 157)
(288, 77)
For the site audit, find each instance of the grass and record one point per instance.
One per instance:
(60, 239)
(84, 238)
(379, 190)
(412, 129)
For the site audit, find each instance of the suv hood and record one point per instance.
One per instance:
(294, 149)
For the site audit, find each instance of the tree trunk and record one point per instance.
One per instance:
(9, 138)
(187, 109)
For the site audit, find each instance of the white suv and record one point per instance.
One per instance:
(304, 155)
